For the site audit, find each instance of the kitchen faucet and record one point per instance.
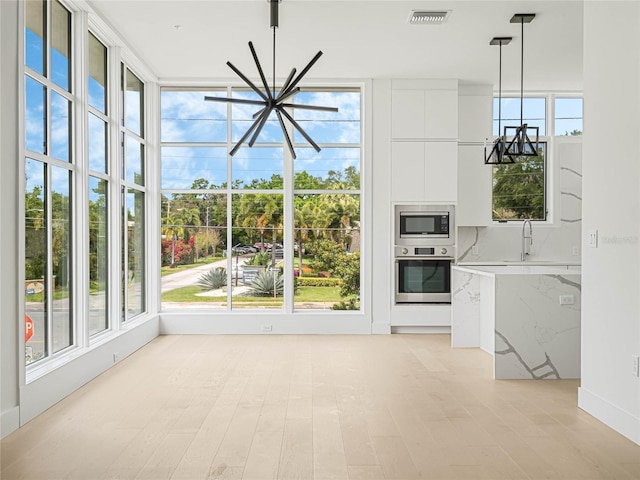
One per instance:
(526, 245)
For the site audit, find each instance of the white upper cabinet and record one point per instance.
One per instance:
(475, 107)
(424, 109)
(407, 171)
(441, 171)
(424, 172)
(474, 177)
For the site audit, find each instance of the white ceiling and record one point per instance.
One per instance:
(359, 39)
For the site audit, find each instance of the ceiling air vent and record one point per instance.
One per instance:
(420, 17)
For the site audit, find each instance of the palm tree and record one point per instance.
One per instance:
(171, 228)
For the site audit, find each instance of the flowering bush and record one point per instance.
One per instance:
(183, 253)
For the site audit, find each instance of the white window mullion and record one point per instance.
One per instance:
(49, 270)
(289, 222)
(230, 219)
(152, 198)
(80, 215)
(114, 207)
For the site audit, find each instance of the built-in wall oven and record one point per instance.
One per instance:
(423, 253)
(423, 274)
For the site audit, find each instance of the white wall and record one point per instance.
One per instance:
(8, 218)
(611, 272)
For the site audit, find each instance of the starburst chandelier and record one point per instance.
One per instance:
(272, 100)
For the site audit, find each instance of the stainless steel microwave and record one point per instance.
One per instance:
(424, 224)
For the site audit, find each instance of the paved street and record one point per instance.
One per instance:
(190, 276)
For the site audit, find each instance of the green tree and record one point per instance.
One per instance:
(332, 257)
(172, 229)
(260, 212)
(518, 189)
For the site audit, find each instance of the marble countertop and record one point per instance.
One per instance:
(520, 269)
(519, 262)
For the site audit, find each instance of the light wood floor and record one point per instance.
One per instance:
(315, 407)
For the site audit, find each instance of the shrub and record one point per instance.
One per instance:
(260, 258)
(350, 304)
(317, 282)
(263, 285)
(213, 279)
(183, 252)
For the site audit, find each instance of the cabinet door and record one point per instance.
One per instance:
(424, 114)
(441, 114)
(441, 171)
(475, 113)
(407, 114)
(407, 171)
(474, 187)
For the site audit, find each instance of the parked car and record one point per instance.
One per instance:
(240, 249)
(262, 247)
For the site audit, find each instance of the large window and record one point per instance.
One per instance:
(568, 117)
(132, 154)
(99, 180)
(49, 179)
(227, 239)
(519, 189)
(84, 187)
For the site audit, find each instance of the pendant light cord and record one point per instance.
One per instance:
(274, 61)
(500, 93)
(521, 70)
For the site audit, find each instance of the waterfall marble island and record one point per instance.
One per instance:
(526, 316)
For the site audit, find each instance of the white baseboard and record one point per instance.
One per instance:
(380, 328)
(621, 421)
(203, 323)
(49, 388)
(421, 329)
(9, 421)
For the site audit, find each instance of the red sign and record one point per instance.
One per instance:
(28, 328)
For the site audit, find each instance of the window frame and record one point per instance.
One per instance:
(49, 163)
(551, 189)
(82, 25)
(287, 189)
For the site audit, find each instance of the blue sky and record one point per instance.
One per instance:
(186, 117)
(568, 114)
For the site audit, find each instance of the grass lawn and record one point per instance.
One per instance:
(39, 297)
(305, 294)
(179, 268)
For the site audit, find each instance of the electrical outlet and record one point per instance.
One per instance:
(635, 365)
(116, 357)
(592, 240)
(475, 250)
(567, 299)
(575, 250)
(266, 328)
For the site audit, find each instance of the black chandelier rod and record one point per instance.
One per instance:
(273, 10)
(521, 69)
